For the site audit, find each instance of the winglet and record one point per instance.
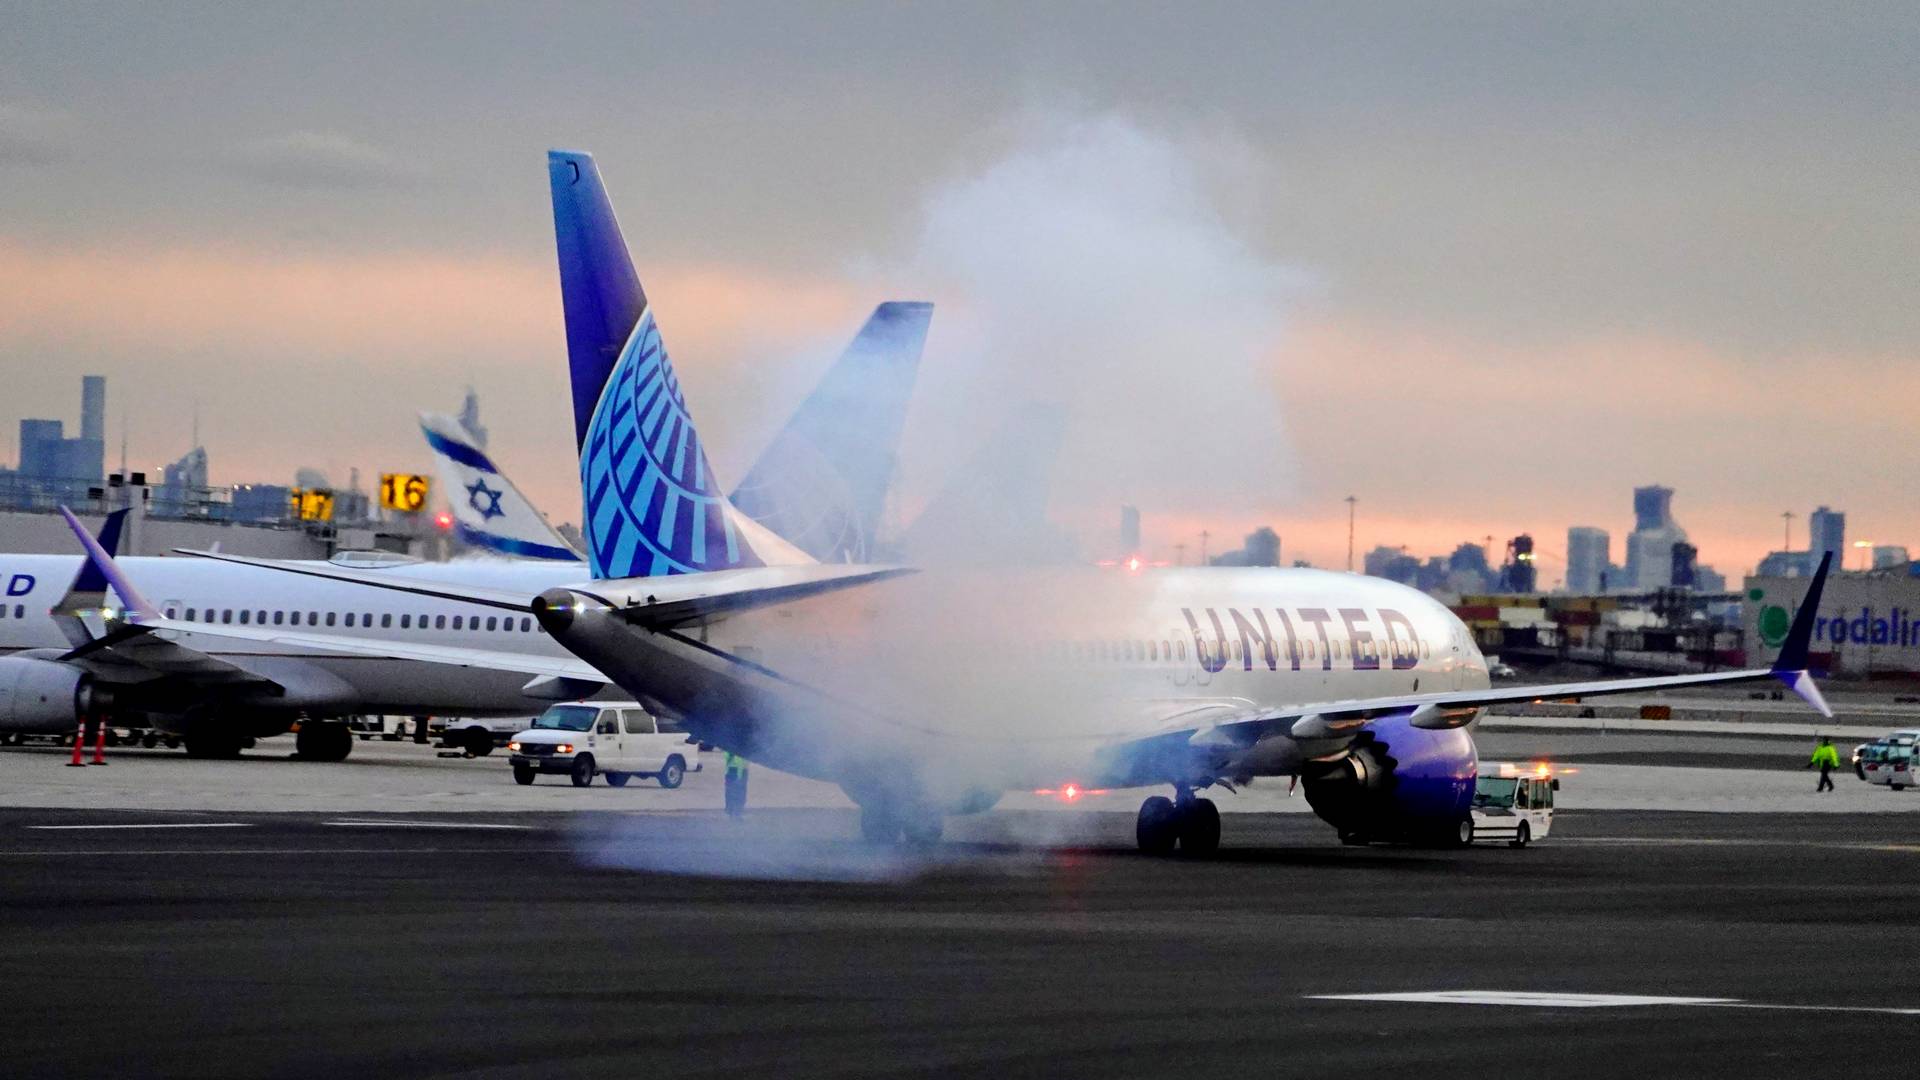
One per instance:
(89, 580)
(136, 605)
(1791, 666)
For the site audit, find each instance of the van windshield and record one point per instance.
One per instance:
(1494, 791)
(568, 717)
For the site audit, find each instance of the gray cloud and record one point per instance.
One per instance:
(321, 160)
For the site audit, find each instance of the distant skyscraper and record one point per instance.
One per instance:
(47, 454)
(1782, 564)
(40, 448)
(1826, 532)
(93, 407)
(1650, 545)
(1589, 552)
(470, 418)
(1263, 547)
(1129, 530)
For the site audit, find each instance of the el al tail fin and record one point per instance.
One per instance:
(651, 504)
(489, 512)
(1791, 666)
(822, 483)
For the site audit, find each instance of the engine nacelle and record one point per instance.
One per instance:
(1398, 782)
(43, 696)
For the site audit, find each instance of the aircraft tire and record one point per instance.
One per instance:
(329, 741)
(1158, 827)
(1199, 828)
(922, 827)
(477, 741)
(212, 745)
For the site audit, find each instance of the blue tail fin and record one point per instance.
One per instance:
(652, 505)
(599, 290)
(822, 483)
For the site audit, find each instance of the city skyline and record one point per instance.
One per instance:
(1487, 280)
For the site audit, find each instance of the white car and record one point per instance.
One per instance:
(615, 739)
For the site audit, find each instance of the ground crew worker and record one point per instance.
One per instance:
(1828, 759)
(736, 784)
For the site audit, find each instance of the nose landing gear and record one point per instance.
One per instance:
(886, 822)
(1186, 821)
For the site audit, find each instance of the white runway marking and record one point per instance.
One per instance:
(155, 825)
(1535, 1000)
(1526, 999)
(422, 825)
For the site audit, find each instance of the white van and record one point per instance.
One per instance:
(1513, 805)
(616, 739)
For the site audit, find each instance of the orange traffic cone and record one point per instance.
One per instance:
(100, 741)
(79, 744)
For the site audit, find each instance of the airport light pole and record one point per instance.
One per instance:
(1350, 501)
(1786, 531)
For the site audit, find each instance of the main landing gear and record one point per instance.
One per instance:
(1186, 821)
(886, 822)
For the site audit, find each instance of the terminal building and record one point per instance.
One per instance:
(1868, 625)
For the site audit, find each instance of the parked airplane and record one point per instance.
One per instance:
(249, 656)
(926, 694)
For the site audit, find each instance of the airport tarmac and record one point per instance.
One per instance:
(602, 944)
(1615, 769)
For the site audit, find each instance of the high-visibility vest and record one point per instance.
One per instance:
(1826, 755)
(736, 765)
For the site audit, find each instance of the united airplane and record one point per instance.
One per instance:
(930, 693)
(243, 656)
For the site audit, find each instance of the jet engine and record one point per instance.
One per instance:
(44, 696)
(1397, 782)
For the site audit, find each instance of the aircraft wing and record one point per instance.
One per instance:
(657, 603)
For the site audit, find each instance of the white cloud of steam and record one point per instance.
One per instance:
(1090, 266)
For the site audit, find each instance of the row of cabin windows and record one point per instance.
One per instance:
(364, 619)
(1164, 650)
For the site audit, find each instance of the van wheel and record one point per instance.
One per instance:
(1463, 835)
(523, 775)
(1521, 836)
(673, 772)
(583, 770)
(617, 779)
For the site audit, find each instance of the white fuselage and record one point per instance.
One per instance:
(224, 594)
(1008, 679)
